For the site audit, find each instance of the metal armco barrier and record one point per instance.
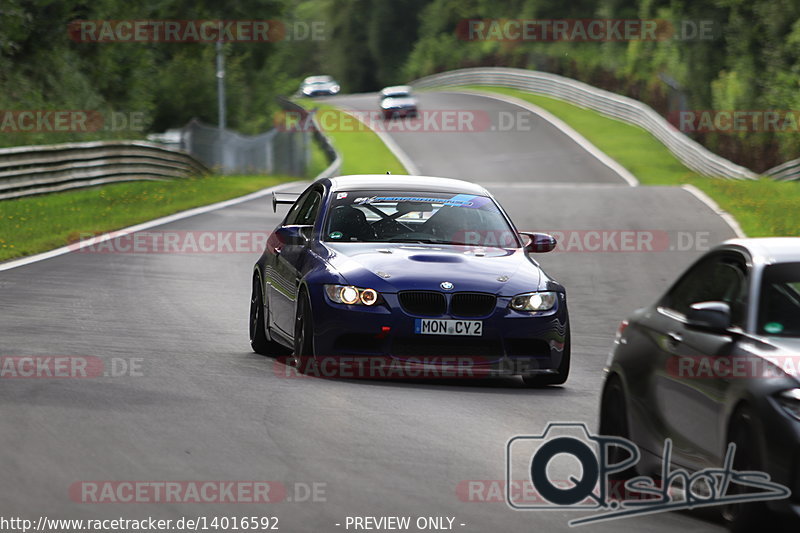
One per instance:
(28, 170)
(788, 171)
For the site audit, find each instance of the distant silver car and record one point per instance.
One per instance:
(398, 101)
(319, 86)
(717, 360)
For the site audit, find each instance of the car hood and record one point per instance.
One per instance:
(391, 267)
(404, 101)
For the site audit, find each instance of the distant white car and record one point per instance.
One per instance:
(398, 101)
(319, 86)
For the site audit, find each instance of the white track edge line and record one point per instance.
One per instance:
(16, 263)
(706, 199)
(565, 128)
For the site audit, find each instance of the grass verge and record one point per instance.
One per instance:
(362, 151)
(38, 223)
(762, 207)
(319, 161)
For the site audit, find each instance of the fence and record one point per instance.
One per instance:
(273, 152)
(692, 154)
(28, 170)
(320, 138)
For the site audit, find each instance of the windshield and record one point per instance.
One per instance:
(779, 312)
(417, 217)
(318, 80)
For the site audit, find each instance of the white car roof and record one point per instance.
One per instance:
(396, 89)
(771, 249)
(318, 79)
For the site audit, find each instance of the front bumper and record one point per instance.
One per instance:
(322, 92)
(399, 112)
(512, 343)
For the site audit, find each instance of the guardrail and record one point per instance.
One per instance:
(691, 153)
(29, 170)
(324, 142)
(788, 171)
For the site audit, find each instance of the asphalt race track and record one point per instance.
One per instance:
(204, 407)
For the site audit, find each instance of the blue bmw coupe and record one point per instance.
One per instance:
(429, 272)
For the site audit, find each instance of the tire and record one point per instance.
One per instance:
(543, 380)
(743, 517)
(614, 423)
(259, 341)
(303, 334)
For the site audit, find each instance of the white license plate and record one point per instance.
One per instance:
(435, 326)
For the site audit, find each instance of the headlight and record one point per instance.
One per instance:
(534, 301)
(347, 294)
(790, 401)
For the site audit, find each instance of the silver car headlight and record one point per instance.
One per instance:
(534, 301)
(790, 401)
(350, 295)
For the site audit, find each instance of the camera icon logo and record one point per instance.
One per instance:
(566, 466)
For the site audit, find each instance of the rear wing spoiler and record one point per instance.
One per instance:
(288, 198)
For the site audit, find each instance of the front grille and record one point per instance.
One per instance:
(472, 304)
(425, 303)
(483, 350)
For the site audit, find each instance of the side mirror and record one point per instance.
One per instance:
(539, 242)
(292, 235)
(710, 317)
